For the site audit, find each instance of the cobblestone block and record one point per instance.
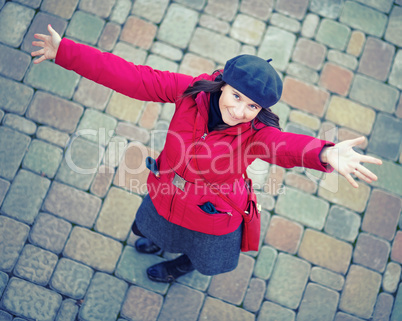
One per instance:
(178, 25)
(132, 132)
(161, 63)
(301, 95)
(383, 307)
(371, 252)
(104, 298)
(288, 280)
(4, 316)
(39, 25)
(391, 277)
(272, 311)
(102, 181)
(132, 173)
(20, 124)
(363, 18)
(302, 72)
(71, 204)
(300, 182)
(50, 232)
(327, 278)
(393, 33)
(141, 304)
(274, 182)
(382, 5)
(309, 53)
(109, 36)
(120, 11)
(340, 316)
(295, 9)
(278, 45)
(259, 9)
(71, 278)
(285, 22)
(360, 292)
(52, 136)
(192, 65)
(25, 196)
(397, 310)
(68, 311)
(80, 164)
(124, 108)
(200, 44)
(325, 251)
(196, 280)
(153, 11)
(117, 214)
(215, 309)
(101, 8)
(396, 254)
(376, 59)
(93, 249)
(30, 3)
(344, 112)
(92, 94)
(398, 111)
(247, 29)
(346, 133)
(265, 262)
(181, 302)
(85, 27)
(43, 158)
(114, 152)
(15, 96)
(333, 34)
(319, 303)
(336, 79)
(284, 235)
(131, 54)
(356, 42)
(4, 186)
(299, 129)
(13, 33)
(30, 300)
(310, 24)
(99, 126)
(390, 127)
(342, 223)
(13, 235)
(327, 8)
(254, 295)
(3, 282)
(196, 4)
(64, 9)
(303, 208)
(150, 115)
(232, 286)
(224, 10)
(50, 77)
(14, 63)
(374, 93)
(391, 175)
(35, 265)
(132, 267)
(138, 32)
(167, 51)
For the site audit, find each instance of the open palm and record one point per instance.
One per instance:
(50, 44)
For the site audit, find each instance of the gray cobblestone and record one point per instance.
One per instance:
(14, 63)
(68, 311)
(15, 96)
(63, 9)
(254, 295)
(150, 10)
(272, 311)
(395, 78)
(327, 278)
(52, 136)
(3, 282)
(121, 10)
(20, 124)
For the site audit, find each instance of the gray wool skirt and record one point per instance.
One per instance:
(210, 254)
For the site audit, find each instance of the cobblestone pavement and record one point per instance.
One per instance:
(328, 251)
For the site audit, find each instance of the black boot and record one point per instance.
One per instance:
(169, 271)
(143, 245)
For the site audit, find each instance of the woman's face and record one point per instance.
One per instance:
(235, 107)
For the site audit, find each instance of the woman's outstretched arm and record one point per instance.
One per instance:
(50, 44)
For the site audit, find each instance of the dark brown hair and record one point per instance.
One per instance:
(265, 115)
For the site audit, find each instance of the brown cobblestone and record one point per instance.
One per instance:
(132, 132)
(396, 253)
(336, 79)
(109, 36)
(138, 32)
(382, 214)
(326, 251)
(254, 295)
(124, 108)
(224, 9)
(102, 181)
(356, 42)
(64, 9)
(371, 252)
(296, 9)
(304, 96)
(232, 286)
(150, 115)
(92, 95)
(215, 309)
(141, 304)
(195, 65)
(283, 234)
(309, 53)
(301, 182)
(274, 181)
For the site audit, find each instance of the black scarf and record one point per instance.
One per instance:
(215, 116)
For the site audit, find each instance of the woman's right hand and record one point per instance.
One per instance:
(50, 45)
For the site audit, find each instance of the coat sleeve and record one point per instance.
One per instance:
(289, 149)
(136, 81)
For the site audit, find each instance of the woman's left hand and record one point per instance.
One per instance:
(346, 161)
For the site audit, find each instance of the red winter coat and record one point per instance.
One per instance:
(221, 156)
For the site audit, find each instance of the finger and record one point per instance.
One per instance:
(51, 30)
(38, 53)
(38, 43)
(357, 141)
(362, 177)
(40, 36)
(351, 180)
(39, 60)
(370, 159)
(366, 172)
